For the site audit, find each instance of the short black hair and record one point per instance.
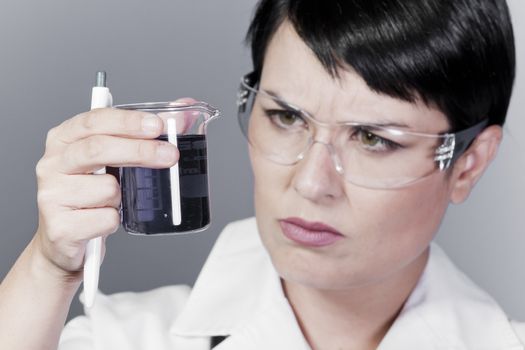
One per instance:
(457, 55)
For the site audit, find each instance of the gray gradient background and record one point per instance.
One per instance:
(161, 50)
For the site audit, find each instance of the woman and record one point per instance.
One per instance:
(365, 120)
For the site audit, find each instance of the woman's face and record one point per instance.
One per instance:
(383, 231)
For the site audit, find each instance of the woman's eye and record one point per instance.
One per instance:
(287, 118)
(284, 118)
(370, 139)
(375, 143)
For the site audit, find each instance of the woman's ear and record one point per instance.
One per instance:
(469, 168)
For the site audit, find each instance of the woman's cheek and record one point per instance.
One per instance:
(270, 181)
(401, 223)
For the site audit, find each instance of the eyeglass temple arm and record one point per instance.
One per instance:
(456, 144)
(465, 138)
(247, 82)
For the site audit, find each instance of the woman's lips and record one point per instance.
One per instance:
(311, 234)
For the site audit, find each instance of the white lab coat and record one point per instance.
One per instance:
(238, 293)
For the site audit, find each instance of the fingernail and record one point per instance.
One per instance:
(166, 152)
(150, 123)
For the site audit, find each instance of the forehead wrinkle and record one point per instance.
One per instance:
(296, 93)
(326, 103)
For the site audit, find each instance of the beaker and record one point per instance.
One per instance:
(173, 200)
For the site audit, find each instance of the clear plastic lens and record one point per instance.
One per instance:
(366, 155)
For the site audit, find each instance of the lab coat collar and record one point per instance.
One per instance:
(239, 294)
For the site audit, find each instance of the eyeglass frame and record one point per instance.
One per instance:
(453, 146)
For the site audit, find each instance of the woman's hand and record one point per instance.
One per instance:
(74, 205)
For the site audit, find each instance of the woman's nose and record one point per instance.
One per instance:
(315, 177)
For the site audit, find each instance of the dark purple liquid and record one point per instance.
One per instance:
(146, 193)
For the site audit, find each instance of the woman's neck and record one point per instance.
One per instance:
(356, 318)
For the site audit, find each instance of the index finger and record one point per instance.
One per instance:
(108, 121)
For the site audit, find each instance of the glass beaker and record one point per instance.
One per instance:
(173, 200)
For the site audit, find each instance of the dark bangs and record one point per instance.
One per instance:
(458, 55)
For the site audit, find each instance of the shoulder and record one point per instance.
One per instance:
(163, 301)
(122, 319)
(452, 306)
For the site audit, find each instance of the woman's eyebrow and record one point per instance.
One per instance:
(272, 93)
(282, 102)
(381, 123)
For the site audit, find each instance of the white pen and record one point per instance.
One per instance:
(100, 98)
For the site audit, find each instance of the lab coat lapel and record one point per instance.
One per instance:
(239, 294)
(274, 327)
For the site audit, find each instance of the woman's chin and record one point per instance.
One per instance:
(312, 270)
